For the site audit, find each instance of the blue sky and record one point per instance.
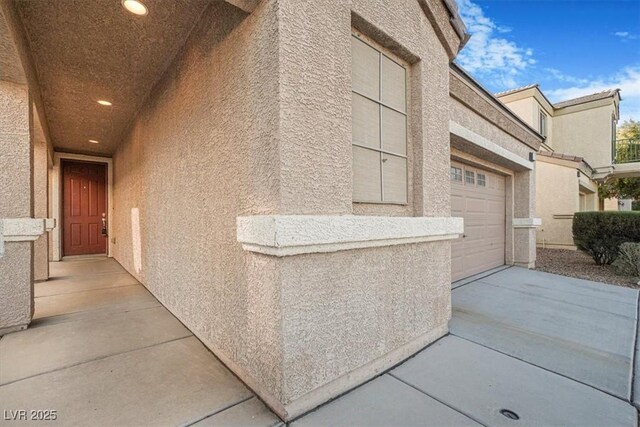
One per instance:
(570, 47)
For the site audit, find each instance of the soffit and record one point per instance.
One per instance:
(85, 50)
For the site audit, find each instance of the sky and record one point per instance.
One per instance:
(570, 47)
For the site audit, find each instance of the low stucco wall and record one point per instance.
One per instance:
(254, 118)
(557, 195)
(356, 306)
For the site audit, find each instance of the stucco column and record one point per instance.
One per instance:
(16, 204)
(40, 203)
(524, 211)
(430, 124)
(338, 298)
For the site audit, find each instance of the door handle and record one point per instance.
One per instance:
(104, 224)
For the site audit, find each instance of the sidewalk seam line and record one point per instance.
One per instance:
(506, 267)
(88, 290)
(437, 400)
(59, 318)
(219, 411)
(541, 367)
(96, 359)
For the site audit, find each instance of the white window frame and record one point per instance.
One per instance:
(381, 150)
(542, 123)
(469, 177)
(455, 174)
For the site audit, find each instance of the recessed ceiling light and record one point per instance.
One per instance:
(93, 141)
(135, 7)
(103, 102)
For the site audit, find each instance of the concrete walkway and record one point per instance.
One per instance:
(552, 350)
(102, 351)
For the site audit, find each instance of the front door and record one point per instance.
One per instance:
(84, 207)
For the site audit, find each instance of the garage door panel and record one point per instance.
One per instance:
(483, 210)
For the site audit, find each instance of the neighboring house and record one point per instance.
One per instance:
(286, 176)
(579, 151)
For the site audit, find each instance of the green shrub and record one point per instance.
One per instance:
(628, 261)
(635, 205)
(600, 234)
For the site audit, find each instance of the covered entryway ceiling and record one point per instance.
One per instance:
(90, 50)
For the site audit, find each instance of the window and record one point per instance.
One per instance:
(455, 174)
(379, 132)
(469, 177)
(543, 124)
(482, 180)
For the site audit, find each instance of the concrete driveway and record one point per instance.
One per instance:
(547, 349)
(582, 330)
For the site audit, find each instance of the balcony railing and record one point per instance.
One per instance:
(627, 150)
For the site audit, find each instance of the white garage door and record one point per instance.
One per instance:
(478, 196)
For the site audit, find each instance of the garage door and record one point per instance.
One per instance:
(478, 196)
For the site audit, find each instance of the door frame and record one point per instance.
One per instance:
(56, 197)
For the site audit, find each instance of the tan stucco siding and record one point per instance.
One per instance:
(253, 118)
(323, 343)
(557, 194)
(462, 115)
(524, 108)
(528, 109)
(201, 152)
(16, 191)
(325, 296)
(585, 133)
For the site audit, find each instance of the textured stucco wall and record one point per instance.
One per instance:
(15, 151)
(475, 123)
(585, 133)
(524, 206)
(254, 117)
(16, 276)
(556, 194)
(356, 306)
(202, 152)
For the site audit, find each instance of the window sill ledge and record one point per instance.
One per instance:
(285, 235)
(526, 222)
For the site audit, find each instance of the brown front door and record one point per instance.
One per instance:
(84, 198)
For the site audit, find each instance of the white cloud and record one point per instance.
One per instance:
(560, 76)
(625, 35)
(627, 80)
(494, 58)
